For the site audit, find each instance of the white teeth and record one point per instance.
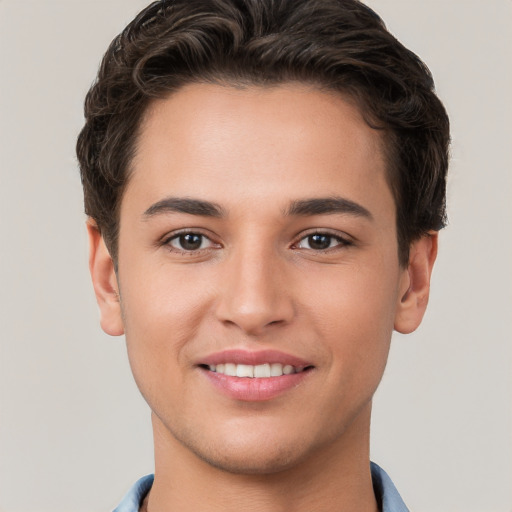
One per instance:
(260, 371)
(276, 370)
(244, 370)
(287, 369)
(230, 369)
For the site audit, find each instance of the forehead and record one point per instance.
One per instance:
(254, 142)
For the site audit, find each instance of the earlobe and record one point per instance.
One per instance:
(104, 281)
(415, 284)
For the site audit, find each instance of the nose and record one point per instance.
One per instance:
(254, 294)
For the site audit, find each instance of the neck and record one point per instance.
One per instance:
(333, 478)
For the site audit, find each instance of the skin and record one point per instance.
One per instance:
(259, 282)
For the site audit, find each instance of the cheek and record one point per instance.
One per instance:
(162, 300)
(358, 295)
(353, 310)
(161, 314)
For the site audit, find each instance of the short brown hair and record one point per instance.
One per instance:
(339, 45)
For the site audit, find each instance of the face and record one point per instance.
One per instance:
(258, 273)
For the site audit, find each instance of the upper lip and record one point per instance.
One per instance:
(253, 357)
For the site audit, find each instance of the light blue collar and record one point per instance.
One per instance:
(385, 491)
(133, 498)
(387, 496)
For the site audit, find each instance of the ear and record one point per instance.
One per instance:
(104, 281)
(415, 283)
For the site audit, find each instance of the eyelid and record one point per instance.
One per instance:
(344, 239)
(168, 237)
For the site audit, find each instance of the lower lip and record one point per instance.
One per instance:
(254, 389)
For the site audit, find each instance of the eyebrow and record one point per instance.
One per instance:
(300, 207)
(185, 205)
(327, 205)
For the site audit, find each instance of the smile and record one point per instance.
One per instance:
(260, 371)
(254, 376)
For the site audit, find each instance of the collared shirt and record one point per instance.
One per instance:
(387, 496)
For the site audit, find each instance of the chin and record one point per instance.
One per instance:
(253, 454)
(246, 462)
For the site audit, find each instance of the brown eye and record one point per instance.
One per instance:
(321, 242)
(189, 242)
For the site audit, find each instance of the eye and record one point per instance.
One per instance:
(189, 242)
(321, 242)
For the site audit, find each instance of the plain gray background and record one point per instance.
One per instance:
(74, 433)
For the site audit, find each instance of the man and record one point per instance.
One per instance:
(264, 182)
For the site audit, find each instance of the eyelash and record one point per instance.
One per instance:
(342, 242)
(176, 236)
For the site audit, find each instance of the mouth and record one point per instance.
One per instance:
(254, 376)
(260, 371)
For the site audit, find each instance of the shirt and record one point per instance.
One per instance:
(387, 496)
